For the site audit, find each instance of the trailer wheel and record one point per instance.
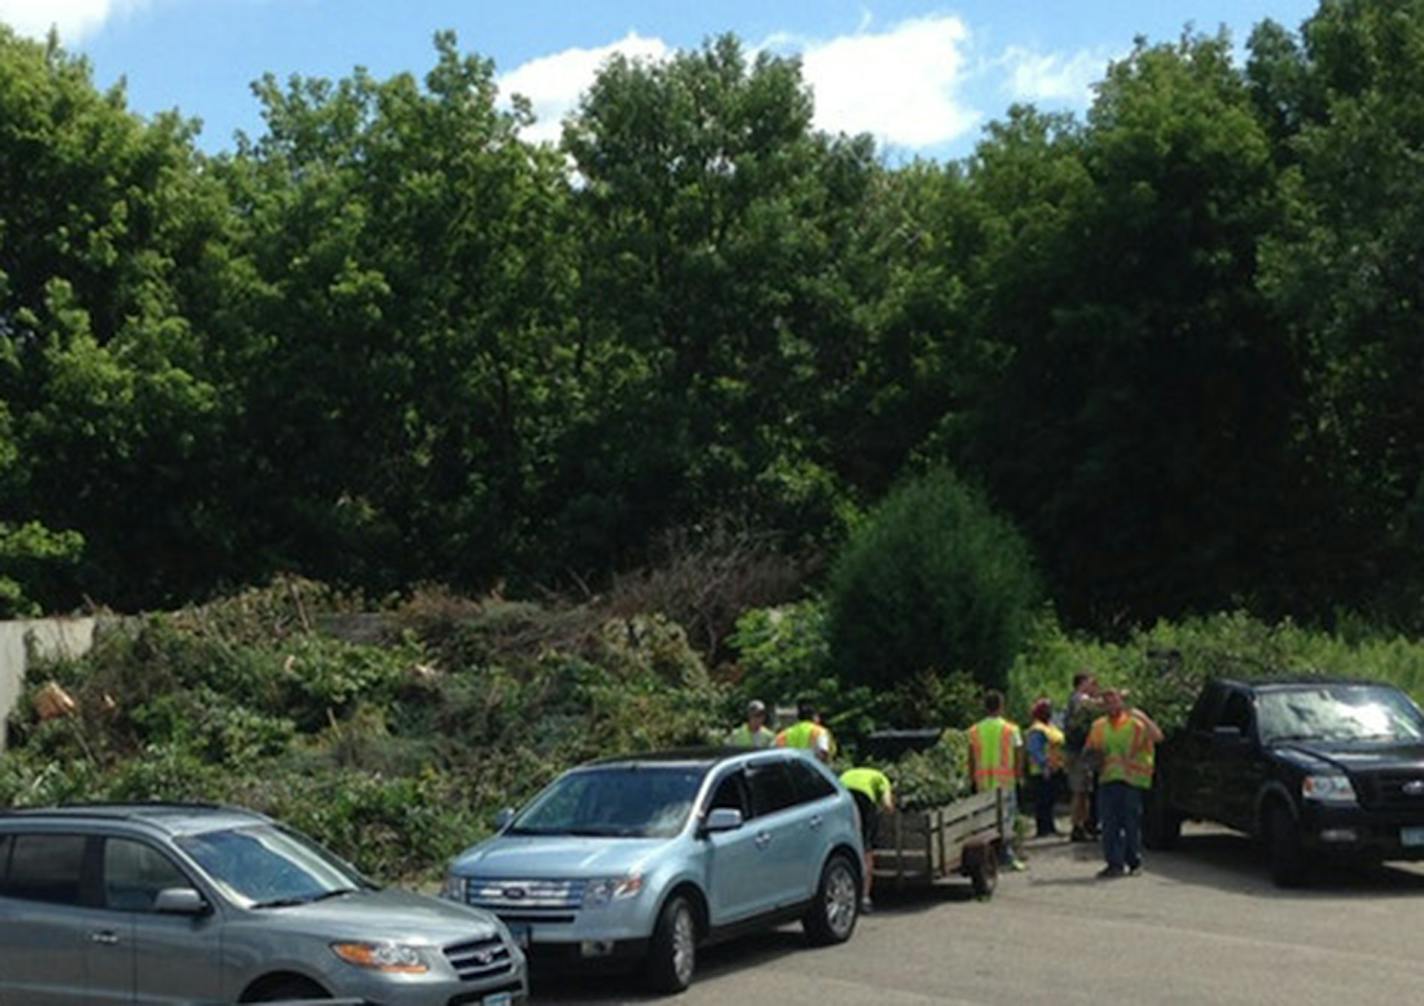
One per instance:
(984, 872)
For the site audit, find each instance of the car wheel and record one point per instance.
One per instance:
(832, 915)
(984, 872)
(1162, 826)
(1288, 867)
(672, 953)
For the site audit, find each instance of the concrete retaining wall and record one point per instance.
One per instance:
(26, 640)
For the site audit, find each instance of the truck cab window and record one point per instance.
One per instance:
(1236, 712)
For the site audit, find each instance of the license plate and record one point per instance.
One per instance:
(520, 932)
(499, 999)
(1411, 836)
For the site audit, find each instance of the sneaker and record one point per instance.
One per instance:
(1110, 873)
(866, 908)
(1079, 835)
(1017, 866)
(1135, 871)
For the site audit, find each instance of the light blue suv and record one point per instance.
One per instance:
(643, 859)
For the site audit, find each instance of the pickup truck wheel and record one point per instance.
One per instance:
(984, 872)
(831, 917)
(672, 952)
(1162, 826)
(1288, 866)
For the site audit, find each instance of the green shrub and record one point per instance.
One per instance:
(932, 581)
(1164, 667)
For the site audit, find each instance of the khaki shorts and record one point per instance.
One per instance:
(1080, 772)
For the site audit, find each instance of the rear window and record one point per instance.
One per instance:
(45, 868)
(771, 787)
(810, 785)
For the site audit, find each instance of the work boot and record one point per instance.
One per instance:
(1079, 834)
(1110, 873)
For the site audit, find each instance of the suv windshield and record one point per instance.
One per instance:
(618, 802)
(1339, 713)
(266, 867)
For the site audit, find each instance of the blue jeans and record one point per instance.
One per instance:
(1120, 808)
(1006, 821)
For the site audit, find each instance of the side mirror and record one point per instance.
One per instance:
(503, 819)
(723, 819)
(180, 901)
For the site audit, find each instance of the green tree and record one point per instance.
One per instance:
(1344, 269)
(1140, 426)
(113, 415)
(933, 582)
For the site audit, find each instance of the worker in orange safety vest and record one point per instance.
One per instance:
(1126, 741)
(996, 763)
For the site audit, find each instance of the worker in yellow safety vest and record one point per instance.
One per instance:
(1126, 741)
(754, 733)
(1044, 744)
(996, 763)
(873, 793)
(808, 733)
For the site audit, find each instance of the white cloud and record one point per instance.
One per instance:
(1053, 76)
(554, 83)
(74, 18)
(901, 85)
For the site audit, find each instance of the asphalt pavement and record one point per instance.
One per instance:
(1201, 925)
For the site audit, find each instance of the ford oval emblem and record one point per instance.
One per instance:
(1415, 788)
(514, 893)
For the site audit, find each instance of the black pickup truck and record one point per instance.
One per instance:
(1312, 767)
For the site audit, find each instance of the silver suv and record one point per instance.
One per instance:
(196, 904)
(641, 859)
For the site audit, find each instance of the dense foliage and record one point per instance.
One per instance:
(932, 581)
(388, 340)
(396, 752)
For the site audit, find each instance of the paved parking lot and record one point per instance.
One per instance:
(1203, 925)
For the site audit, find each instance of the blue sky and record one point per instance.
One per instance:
(925, 77)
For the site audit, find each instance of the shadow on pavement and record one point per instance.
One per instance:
(741, 954)
(1235, 863)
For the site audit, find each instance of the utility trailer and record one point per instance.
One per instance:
(962, 838)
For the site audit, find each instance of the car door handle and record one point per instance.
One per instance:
(763, 839)
(816, 821)
(105, 936)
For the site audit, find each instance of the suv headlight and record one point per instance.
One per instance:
(1328, 789)
(604, 890)
(391, 958)
(454, 888)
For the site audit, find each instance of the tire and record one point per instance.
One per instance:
(1288, 865)
(1161, 825)
(832, 916)
(287, 989)
(984, 873)
(672, 952)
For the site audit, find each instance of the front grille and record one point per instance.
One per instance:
(1393, 791)
(534, 901)
(479, 959)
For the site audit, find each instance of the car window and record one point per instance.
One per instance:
(809, 784)
(135, 873)
(4, 859)
(730, 794)
(45, 868)
(771, 787)
(1206, 704)
(1236, 712)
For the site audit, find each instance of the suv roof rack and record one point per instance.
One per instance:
(131, 810)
